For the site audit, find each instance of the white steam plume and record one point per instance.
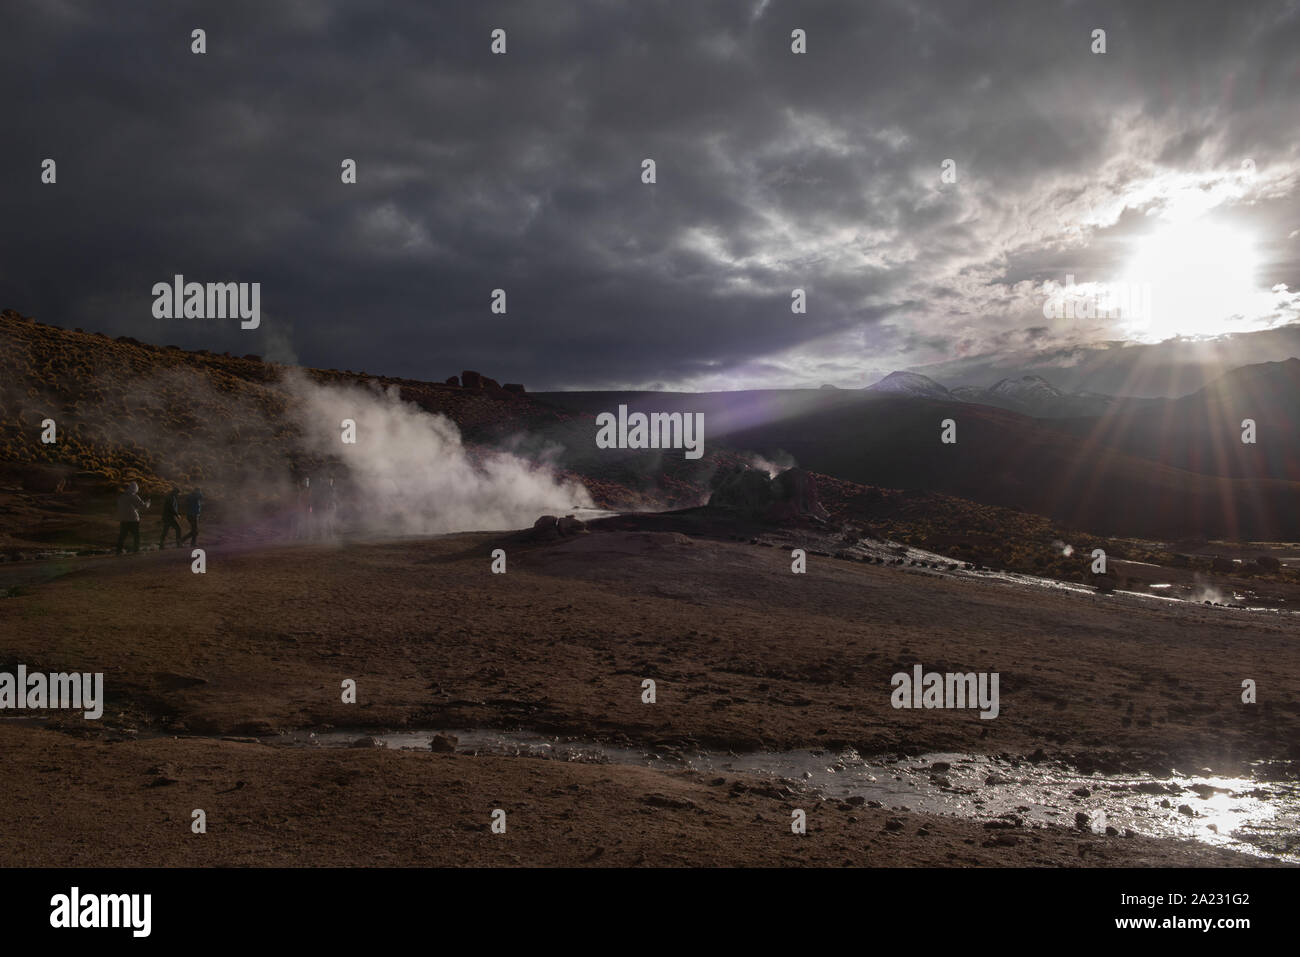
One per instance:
(409, 472)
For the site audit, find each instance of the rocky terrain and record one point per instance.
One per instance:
(746, 658)
(223, 689)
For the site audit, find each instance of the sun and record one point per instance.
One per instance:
(1201, 280)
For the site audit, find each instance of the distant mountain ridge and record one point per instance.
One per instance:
(913, 384)
(1035, 396)
(1030, 395)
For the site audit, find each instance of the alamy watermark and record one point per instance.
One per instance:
(1097, 300)
(946, 690)
(658, 430)
(179, 299)
(75, 909)
(55, 690)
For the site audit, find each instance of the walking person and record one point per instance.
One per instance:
(171, 512)
(193, 506)
(129, 505)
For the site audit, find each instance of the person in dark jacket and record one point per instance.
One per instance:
(171, 512)
(129, 505)
(193, 506)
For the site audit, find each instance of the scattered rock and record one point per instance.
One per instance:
(445, 743)
(662, 800)
(1150, 787)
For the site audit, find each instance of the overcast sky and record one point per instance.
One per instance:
(775, 171)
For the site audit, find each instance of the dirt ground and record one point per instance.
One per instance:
(745, 656)
(130, 803)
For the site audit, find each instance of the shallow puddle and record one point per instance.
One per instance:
(926, 562)
(1253, 815)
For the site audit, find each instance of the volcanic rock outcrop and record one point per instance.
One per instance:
(550, 527)
(789, 496)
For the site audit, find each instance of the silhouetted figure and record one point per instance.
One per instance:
(193, 506)
(129, 505)
(171, 512)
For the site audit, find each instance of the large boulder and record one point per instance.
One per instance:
(1268, 563)
(549, 527)
(471, 380)
(1222, 564)
(571, 525)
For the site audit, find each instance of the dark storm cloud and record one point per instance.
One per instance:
(522, 171)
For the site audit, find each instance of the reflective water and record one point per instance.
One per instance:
(1258, 815)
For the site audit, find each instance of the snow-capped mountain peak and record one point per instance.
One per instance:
(910, 383)
(1025, 387)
